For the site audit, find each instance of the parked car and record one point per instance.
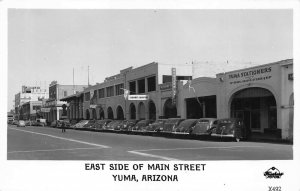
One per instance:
(171, 124)
(41, 122)
(21, 123)
(204, 126)
(231, 127)
(127, 125)
(67, 122)
(156, 126)
(33, 123)
(141, 125)
(112, 125)
(80, 124)
(90, 124)
(27, 123)
(186, 126)
(99, 124)
(15, 122)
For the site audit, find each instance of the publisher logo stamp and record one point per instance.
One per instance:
(273, 173)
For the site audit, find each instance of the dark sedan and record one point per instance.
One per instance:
(204, 126)
(157, 125)
(171, 124)
(231, 127)
(186, 126)
(90, 124)
(100, 124)
(127, 125)
(141, 125)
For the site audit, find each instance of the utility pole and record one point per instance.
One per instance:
(88, 75)
(73, 83)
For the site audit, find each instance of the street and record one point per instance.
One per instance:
(46, 143)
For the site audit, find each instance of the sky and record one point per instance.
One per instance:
(47, 44)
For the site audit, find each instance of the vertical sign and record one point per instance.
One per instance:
(174, 86)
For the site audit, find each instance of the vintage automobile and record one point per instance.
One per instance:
(21, 123)
(112, 125)
(185, 127)
(80, 124)
(156, 126)
(204, 126)
(171, 124)
(41, 122)
(231, 127)
(127, 125)
(141, 125)
(100, 124)
(90, 124)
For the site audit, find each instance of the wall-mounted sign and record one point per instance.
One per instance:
(290, 76)
(174, 85)
(45, 110)
(250, 75)
(138, 97)
(93, 106)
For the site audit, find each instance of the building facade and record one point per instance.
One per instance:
(55, 109)
(154, 80)
(262, 96)
(29, 93)
(31, 110)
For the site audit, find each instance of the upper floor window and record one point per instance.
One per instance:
(119, 89)
(132, 87)
(101, 93)
(151, 84)
(110, 91)
(141, 86)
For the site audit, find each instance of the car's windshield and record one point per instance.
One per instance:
(187, 123)
(172, 121)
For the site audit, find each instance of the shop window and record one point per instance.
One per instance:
(110, 91)
(151, 84)
(65, 93)
(101, 93)
(141, 86)
(119, 89)
(132, 88)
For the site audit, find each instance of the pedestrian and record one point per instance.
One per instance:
(63, 127)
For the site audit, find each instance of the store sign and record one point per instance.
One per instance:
(138, 97)
(250, 75)
(45, 110)
(174, 85)
(166, 86)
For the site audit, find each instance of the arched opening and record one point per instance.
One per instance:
(87, 114)
(132, 111)
(291, 117)
(170, 109)
(141, 110)
(94, 114)
(152, 110)
(101, 114)
(110, 113)
(257, 107)
(120, 113)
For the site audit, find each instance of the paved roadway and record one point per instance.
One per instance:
(46, 143)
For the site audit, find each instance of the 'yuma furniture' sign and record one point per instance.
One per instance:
(250, 75)
(138, 97)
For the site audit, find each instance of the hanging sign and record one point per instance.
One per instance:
(174, 85)
(138, 97)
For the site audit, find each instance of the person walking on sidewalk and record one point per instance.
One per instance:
(63, 127)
